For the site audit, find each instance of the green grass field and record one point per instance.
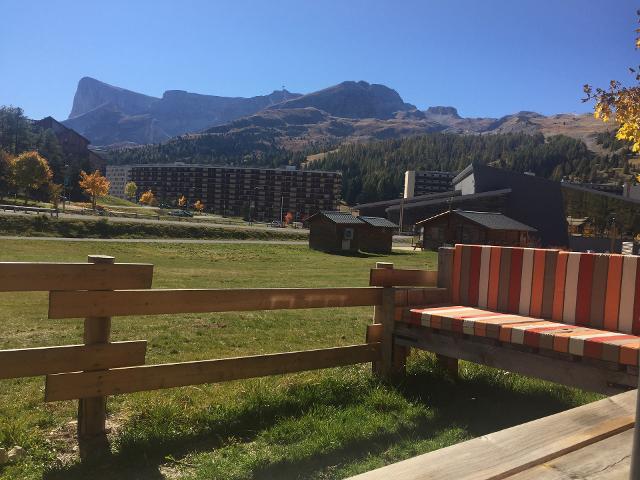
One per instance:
(320, 425)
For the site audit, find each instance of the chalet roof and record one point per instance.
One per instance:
(341, 218)
(490, 220)
(378, 222)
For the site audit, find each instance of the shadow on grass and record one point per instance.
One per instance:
(483, 401)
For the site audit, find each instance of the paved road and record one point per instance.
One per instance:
(67, 216)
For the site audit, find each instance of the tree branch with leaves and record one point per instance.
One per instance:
(621, 103)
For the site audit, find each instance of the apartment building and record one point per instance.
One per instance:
(258, 193)
(417, 183)
(118, 176)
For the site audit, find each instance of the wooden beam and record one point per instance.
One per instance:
(508, 452)
(68, 386)
(30, 362)
(576, 374)
(390, 277)
(153, 302)
(30, 276)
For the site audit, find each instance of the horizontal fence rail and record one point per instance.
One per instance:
(30, 362)
(31, 277)
(389, 277)
(69, 386)
(155, 302)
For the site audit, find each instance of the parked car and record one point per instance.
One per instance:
(276, 224)
(180, 213)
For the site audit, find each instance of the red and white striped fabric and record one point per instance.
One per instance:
(580, 303)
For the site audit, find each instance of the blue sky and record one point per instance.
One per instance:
(487, 58)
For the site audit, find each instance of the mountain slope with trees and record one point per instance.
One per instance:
(375, 171)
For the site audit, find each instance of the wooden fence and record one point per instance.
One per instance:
(102, 289)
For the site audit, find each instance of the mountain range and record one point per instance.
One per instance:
(350, 111)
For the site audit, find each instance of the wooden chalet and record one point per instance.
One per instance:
(462, 226)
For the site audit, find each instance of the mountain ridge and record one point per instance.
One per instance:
(349, 111)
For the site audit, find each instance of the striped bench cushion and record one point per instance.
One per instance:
(601, 291)
(531, 331)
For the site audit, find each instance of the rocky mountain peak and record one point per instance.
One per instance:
(440, 110)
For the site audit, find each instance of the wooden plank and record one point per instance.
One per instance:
(387, 277)
(507, 452)
(152, 302)
(29, 362)
(576, 374)
(605, 460)
(68, 386)
(30, 277)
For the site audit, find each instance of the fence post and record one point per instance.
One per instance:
(92, 412)
(393, 356)
(445, 272)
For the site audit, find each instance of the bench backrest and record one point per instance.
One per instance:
(596, 290)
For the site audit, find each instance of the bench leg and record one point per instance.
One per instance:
(400, 354)
(449, 364)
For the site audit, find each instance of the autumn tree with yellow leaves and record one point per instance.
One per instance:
(148, 198)
(30, 171)
(94, 185)
(621, 103)
(198, 206)
(182, 201)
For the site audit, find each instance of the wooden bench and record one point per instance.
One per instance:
(567, 317)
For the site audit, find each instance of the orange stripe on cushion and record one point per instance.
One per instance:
(532, 336)
(629, 353)
(548, 283)
(627, 293)
(593, 347)
(525, 286)
(465, 264)
(558, 295)
(636, 306)
(571, 288)
(598, 290)
(612, 296)
(561, 339)
(503, 285)
(537, 284)
(506, 330)
(515, 280)
(494, 278)
(474, 275)
(457, 260)
(485, 261)
(585, 281)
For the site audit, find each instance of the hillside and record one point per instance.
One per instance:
(374, 171)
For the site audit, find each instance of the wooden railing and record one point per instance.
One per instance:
(101, 290)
